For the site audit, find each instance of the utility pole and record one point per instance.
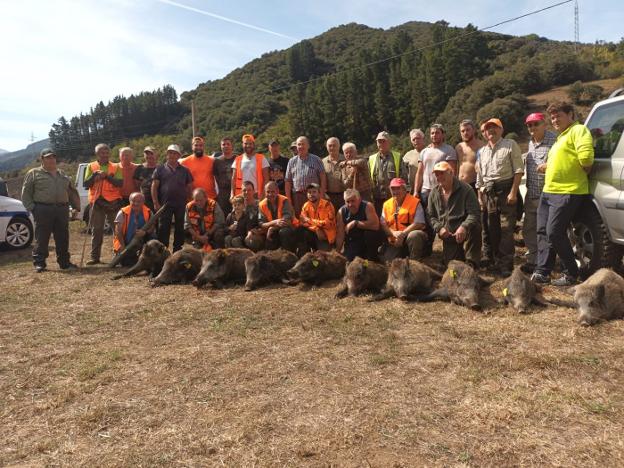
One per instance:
(32, 137)
(193, 117)
(576, 27)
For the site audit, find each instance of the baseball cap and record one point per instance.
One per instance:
(397, 182)
(442, 166)
(293, 144)
(248, 136)
(535, 117)
(175, 148)
(383, 136)
(47, 152)
(197, 138)
(313, 185)
(149, 149)
(273, 142)
(496, 122)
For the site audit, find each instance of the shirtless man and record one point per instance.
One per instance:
(467, 152)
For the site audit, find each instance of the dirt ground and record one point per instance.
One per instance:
(95, 372)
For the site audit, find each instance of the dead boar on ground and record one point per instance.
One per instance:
(407, 278)
(181, 267)
(316, 267)
(362, 275)
(222, 265)
(268, 267)
(152, 258)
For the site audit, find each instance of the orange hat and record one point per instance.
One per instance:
(496, 122)
(197, 138)
(248, 136)
(442, 166)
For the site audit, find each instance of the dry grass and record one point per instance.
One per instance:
(98, 373)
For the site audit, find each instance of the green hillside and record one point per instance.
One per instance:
(353, 81)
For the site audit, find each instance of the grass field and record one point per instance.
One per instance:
(95, 372)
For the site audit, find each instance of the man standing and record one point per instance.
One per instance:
(499, 171)
(104, 180)
(128, 169)
(250, 166)
(277, 165)
(275, 217)
(384, 166)
(143, 175)
(357, 228)
(410, 159)
(46, 193)
(566, 186)
(333, 172)
(536, 158)
(318, 220)
(467, 152)
(204, 221)
(436, 152)
(303, 169)
(172, 184)
(128, 223)
(403, 222)
(223, 174)
(454, 214)
(201, 168)
(355, 173)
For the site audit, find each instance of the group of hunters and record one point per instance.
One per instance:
(377, 207)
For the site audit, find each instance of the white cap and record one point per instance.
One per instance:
(175, 148)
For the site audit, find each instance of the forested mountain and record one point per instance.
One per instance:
(353, 81)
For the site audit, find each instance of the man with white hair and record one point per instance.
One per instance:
(128, 168)
(303, 169)
(129, 222)
(410, 159)
(333, 171)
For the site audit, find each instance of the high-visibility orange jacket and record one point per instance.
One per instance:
(195, 219)
(103, 187)
(126, 210)
(238, 171)
(399, 218)
(201, 170)
(323, 216)
(263, 206)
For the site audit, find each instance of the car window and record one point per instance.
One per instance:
(606, 126)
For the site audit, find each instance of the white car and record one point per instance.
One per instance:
(16, 224)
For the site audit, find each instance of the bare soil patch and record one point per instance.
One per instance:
(95, 372)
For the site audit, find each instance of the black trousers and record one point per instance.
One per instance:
(51, 220)
(175, 214)
(365, 246)
(554, 214)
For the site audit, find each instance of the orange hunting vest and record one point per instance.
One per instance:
(323, 217)
(104, 188)
(264, 207)
(404, 215)
(194, 218)
(124, 227)
(201, 170)
(238, 187)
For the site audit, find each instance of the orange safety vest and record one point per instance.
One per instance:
(238, 186)
(264, 207)
(126, 222)
(201, 170)
(398, 220)
(103, 188)
(323, 217)
(194, 218)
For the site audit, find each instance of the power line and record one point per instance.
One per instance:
(420, 49)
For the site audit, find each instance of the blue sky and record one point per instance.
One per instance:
(61, 57)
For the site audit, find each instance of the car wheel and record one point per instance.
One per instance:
(590, 241)
(19, 233)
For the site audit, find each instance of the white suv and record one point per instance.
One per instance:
(597, 232)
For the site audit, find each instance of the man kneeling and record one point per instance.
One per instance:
(277, 224)
(318, 220)
(128, 223)
(454, 214)
(204, 221)
(403, 222)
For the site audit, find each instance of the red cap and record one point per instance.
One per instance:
(535, 117)
(397, 182)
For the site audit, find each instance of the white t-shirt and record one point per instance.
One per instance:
(430, 156)
(248, 168)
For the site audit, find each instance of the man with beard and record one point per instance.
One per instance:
(249, 166)
(201, 168)
(318, 220)
(222, 170)
(467, 152)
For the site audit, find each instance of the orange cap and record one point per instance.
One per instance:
(442, 166)
(248, 136)
(496, 122)
(197, 138)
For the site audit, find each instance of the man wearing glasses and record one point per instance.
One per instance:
(536, 158)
